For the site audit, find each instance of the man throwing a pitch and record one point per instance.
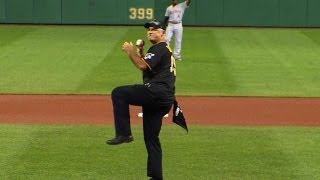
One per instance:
(156, 95)
(173, 20)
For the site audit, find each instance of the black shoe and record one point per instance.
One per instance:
(119, 140)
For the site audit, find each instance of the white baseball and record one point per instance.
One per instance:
(140, 43)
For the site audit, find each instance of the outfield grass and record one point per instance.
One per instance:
(216, 61)
(79, 152)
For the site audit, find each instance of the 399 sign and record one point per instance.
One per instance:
(140, 13)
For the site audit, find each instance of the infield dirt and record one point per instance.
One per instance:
(96, 109)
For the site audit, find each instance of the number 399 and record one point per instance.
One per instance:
(141, 13)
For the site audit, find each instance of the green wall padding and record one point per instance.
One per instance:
(47, 11)
(75, 12)
(103, 12)
(314, 13)
(293, 13)
(208, 12)
(250, 12)
(2, 11)
(275, 13)
(19, 11)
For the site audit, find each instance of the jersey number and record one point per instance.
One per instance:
(173, 66)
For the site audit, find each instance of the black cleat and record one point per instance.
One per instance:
(119, 140)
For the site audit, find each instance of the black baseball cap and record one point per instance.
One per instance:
(155, 24)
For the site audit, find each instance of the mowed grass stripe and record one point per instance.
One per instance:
(56, 59)
(271, 60)
(216, 61)
(10, 34)
(80, 152)
(115, 66)
(205, 66)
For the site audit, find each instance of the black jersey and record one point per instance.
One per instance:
(160, 76)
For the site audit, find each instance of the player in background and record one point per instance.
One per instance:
(173, 20)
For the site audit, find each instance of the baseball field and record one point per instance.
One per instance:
(250, 96)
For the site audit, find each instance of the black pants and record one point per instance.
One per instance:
(153, 113)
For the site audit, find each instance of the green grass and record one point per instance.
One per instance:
(79, 152)
(253, 62)
(216, 61)
(62, 60)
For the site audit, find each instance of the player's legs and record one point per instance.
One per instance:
(152, 122)
(169, 34)
(178, 42)
(122, 97)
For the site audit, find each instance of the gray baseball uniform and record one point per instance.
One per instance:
(174, 14)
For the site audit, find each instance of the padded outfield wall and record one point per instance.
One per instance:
(278, 13)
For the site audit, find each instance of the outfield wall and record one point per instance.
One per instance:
(279, 13)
